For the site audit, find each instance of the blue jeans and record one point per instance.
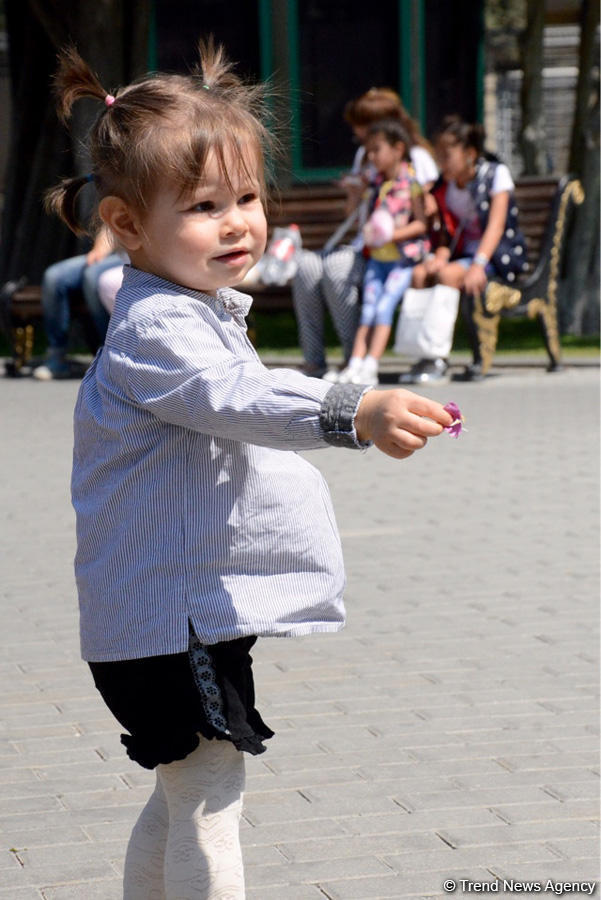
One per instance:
(60, 282)
(383, 288)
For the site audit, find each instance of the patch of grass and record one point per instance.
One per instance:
(277, 332)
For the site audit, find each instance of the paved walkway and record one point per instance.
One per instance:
(450, 732)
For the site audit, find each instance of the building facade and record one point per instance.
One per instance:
(319, 54)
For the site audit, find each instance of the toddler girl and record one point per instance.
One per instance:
(394, 243)
(197, 527)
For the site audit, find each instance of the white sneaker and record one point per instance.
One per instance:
(51, 370)
(356, 374)
(369, 373)
(332, 375)
(348, 375)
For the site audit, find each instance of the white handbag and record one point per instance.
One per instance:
(426, 322)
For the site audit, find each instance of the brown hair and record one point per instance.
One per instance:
(161, 127)
(454, 129)
(394, 132)
(383, 103)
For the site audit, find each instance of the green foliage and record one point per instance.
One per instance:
(505, 15)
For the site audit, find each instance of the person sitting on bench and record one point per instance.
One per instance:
(479, 237)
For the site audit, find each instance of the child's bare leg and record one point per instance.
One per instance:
(453, 275)
(203, 859)
(379, 340)
(362, 339)
(144, 862)
(419, 277)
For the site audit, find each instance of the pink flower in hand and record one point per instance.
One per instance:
(456, 426)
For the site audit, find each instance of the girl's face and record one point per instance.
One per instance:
(208, 240)
(384, 155)
(456, 161)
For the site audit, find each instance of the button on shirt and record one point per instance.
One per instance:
(189, 504)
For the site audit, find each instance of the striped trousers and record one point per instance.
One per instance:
(331, 282)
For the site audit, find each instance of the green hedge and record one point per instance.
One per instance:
(277, 332)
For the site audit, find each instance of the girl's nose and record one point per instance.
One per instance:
(234, 221)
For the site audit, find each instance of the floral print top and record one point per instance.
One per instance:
(397, 197)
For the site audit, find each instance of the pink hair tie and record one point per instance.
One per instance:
(109, 99)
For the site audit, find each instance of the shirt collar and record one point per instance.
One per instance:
(233, 302)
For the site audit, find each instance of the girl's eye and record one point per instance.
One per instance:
(205, 207)
(248, 198)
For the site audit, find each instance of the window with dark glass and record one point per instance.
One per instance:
(344, 48)
(179, 24)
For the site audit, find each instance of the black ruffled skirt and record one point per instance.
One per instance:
(165, 702)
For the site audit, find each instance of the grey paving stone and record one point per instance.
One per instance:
(311, 829)
(576, 848)
(443, 860)
(301, 780)
(120, 796)
(18, 776)
(27, 876)
(583, 775)
(71, 857)
(403, 822)
(345, 846)
(20, 893)
(550, 760)
(106, 889)
(497, 835)
(575, 810)
(30, 806)
(426, 884)
(61, 787)
(317, 870)
(293, 892)
(508, 797)
(559, 871)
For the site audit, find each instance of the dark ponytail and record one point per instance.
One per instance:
(61, 200)
(464, 133)
(74, 80)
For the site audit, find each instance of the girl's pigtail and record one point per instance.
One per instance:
(214, 69)
(61, 200)
(74, 80)
(215, 74)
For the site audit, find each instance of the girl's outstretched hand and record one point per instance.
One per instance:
(399, 422)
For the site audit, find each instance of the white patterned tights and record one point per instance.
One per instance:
(186, 845)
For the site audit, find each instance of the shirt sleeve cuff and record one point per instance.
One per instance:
(337, 416)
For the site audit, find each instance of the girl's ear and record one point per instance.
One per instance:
(122, 221)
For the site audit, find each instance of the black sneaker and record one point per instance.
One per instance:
(426, 371)
(473, 372)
